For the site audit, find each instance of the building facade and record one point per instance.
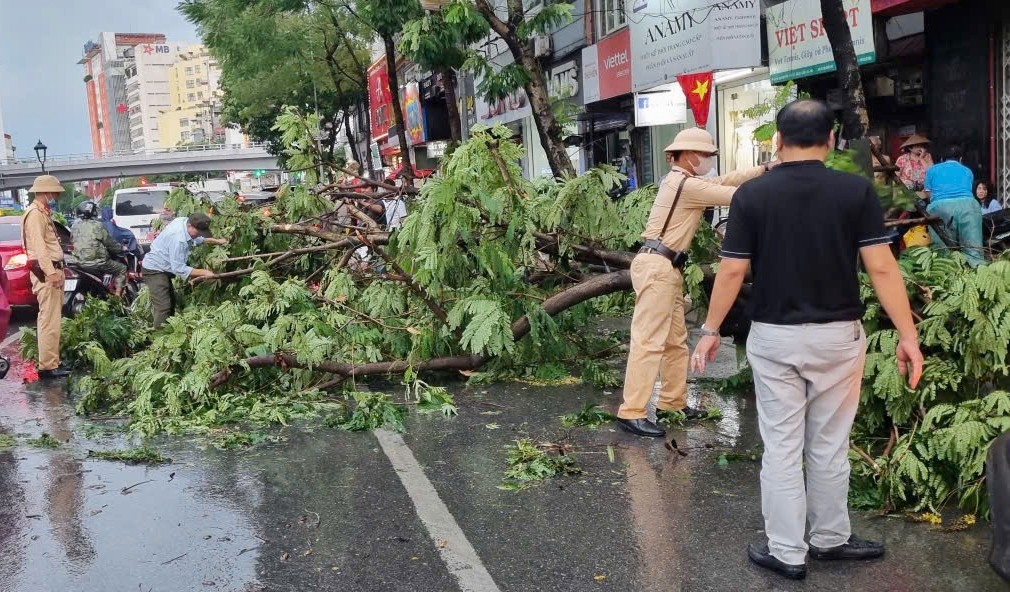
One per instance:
(104, 64)
(193, 114)
(147, 91)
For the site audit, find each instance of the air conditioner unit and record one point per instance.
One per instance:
(542, 46)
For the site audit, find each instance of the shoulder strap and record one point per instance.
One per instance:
(673, 206)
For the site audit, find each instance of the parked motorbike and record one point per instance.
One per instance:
(81, 283)
(996, 231)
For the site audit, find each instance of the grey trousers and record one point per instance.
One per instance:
(162, 295)
(807, 380)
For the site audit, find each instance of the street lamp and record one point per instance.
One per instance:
(40, 153)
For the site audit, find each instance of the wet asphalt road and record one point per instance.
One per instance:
(325, 510)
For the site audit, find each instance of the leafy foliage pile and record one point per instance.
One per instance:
(479, 255)
(530, 464)
(926, 448)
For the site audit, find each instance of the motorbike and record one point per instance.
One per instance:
(81, 283)
(996, 231)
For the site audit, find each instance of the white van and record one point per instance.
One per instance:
(137, 208)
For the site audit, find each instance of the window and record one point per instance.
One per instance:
(189, 70)
(183, 123)
(196, 69)
(612, 16)
(190, 83)
(199, 95)
(186, 136)
(140, 203)
(191, 97)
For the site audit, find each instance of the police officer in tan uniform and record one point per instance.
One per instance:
(658, 332)
(45, 260)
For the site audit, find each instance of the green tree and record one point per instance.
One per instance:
(517, 29)
(388, 18)
(273, 53)
(855, 120)
(440, 41)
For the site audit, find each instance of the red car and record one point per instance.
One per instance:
(15, 262)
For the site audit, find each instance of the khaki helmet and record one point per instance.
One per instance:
(694, 139)
(46, 184)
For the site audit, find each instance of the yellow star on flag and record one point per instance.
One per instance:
(700, 89)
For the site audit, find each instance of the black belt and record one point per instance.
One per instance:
(677, 258)
(36, 268)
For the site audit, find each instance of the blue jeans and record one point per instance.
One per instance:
(962, 221)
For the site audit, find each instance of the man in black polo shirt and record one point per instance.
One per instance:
(800, 229)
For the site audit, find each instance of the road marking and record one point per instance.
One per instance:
(10, 339)
(458, 554)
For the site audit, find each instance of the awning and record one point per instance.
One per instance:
(898, 7)
(418, 173)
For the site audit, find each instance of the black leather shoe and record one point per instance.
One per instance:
(693, 413)
(856, 548)
(642, 427)
(54, 374)
(759, 554)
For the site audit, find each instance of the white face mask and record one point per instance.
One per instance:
(704, 166)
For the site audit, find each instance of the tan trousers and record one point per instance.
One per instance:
(658, 338)
(807, 380)
(50, 305)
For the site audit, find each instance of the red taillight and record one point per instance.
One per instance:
(17, 262)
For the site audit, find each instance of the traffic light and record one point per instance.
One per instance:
(258, 173)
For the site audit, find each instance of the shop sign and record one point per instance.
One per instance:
(379, 101)
(564, 81)
(798, 45)
(606, 68)
(437, 148)
(673, 37)
(660, 108)
(413, 115)
(510, 108)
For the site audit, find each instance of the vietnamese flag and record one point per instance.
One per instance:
(698, 90)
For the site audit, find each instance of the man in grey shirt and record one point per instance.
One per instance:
(167, 258)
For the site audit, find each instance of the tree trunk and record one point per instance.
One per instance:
(855, 120)
(394, 92)
(549, 129)
(452, 107)
(597, 286)
(351, 140)
(366, 111)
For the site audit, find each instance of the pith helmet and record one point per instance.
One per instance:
(694, 139)
(46, 184)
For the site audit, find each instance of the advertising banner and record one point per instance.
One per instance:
(673, 37)
(798, 45)
(379, 102)
(412, 114)
(606, 68)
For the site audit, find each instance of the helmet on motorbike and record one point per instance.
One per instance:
(87, 209)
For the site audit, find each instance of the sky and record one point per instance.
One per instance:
(41, 84)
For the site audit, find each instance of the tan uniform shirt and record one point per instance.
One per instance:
(41, 242)
(699, 193)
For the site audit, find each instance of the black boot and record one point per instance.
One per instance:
(642, 427)
(55, 373)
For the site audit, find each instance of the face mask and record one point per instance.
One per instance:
(704, 166)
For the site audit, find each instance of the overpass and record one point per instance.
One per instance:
(186, 159)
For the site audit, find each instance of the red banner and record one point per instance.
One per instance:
(896, 7)
(698, 90)
(379, 101)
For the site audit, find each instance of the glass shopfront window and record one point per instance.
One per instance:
(739, 149)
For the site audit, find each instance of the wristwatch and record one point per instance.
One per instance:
(708, 332)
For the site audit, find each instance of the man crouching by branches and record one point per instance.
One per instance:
(658, 332)
(800, 231)
(168, 256)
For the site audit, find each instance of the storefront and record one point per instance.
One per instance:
(743, 104)
(380, 105)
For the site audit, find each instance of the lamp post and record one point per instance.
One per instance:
(40, 153)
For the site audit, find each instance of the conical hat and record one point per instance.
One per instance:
(915, 140)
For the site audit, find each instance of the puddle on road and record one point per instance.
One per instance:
(69, 523)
